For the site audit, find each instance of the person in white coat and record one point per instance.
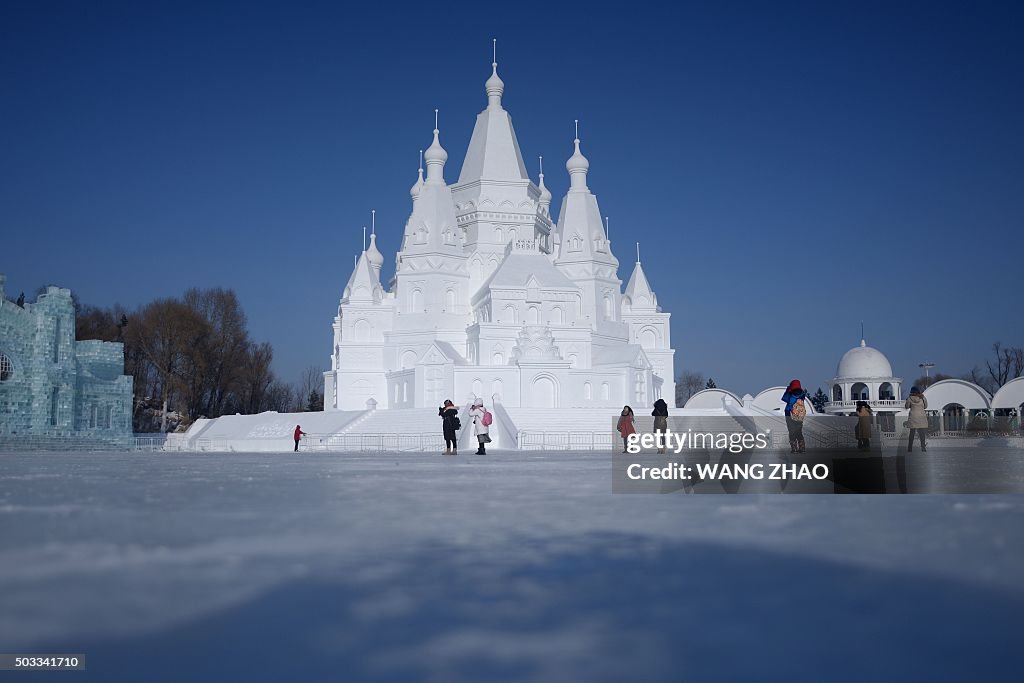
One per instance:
(481, 425)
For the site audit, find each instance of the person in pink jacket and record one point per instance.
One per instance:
(626, 425)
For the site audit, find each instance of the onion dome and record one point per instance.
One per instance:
(435, 156)
(495, 87)
(577, 165)
(373, 255)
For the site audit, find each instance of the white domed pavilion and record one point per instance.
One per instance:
(864, 374)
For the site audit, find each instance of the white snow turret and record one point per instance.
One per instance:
(495, 87)
(580, 228)
(364, 284)
(414, 192)
(544, 201)
(493, 148)
(639, 296)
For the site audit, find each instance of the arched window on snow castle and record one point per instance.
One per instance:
(588, 391)
(6, 368)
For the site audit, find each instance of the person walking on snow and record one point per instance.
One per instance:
(660, 414)
(625, 425)
(918, 420)
(450, 426)
(796, 410)
(298, 435)
(482, 419)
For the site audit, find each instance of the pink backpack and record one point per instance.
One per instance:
(487, 418)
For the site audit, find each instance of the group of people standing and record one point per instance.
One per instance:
(627, 423)
(451, 424)
(795, 397)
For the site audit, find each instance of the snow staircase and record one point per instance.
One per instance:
(398, 429)
(396, 421)
(563, 428)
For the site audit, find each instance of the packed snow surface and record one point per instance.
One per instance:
(514, 566)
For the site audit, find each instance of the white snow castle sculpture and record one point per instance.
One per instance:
(491, 298)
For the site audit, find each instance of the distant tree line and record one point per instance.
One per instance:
(192, 357)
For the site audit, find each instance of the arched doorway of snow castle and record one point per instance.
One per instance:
(544, 393)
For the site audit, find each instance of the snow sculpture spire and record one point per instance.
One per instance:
(373, 255)
(495, 86)
(493, 152)
(639, 291)
(545, 193)
(577, 165)
(435, 156)
(584, 252)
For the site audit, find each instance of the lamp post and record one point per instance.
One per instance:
(926, 367)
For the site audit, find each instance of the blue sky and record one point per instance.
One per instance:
(790, 169)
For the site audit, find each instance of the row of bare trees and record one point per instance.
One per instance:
(1005, 363)
(192, 357)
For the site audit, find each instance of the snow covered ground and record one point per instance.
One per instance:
(516, 566)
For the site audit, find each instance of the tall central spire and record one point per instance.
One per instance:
(493, 152)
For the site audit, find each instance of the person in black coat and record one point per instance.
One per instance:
(450, 426)
(660, 414)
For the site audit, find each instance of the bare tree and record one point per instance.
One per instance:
(1008, 364)
(309, 392)
(688, 384)
(280, 397)
(255, 378)
(219, 357)
(164, 333)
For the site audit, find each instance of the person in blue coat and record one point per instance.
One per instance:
(795, 399)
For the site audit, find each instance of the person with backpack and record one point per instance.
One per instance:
(450, 426)
(795, 399)
(917, 421)
(625, 425)
(482, 420)
(660, 414)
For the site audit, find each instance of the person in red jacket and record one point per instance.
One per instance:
(298, 435)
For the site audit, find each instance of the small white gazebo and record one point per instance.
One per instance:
(864, 374)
